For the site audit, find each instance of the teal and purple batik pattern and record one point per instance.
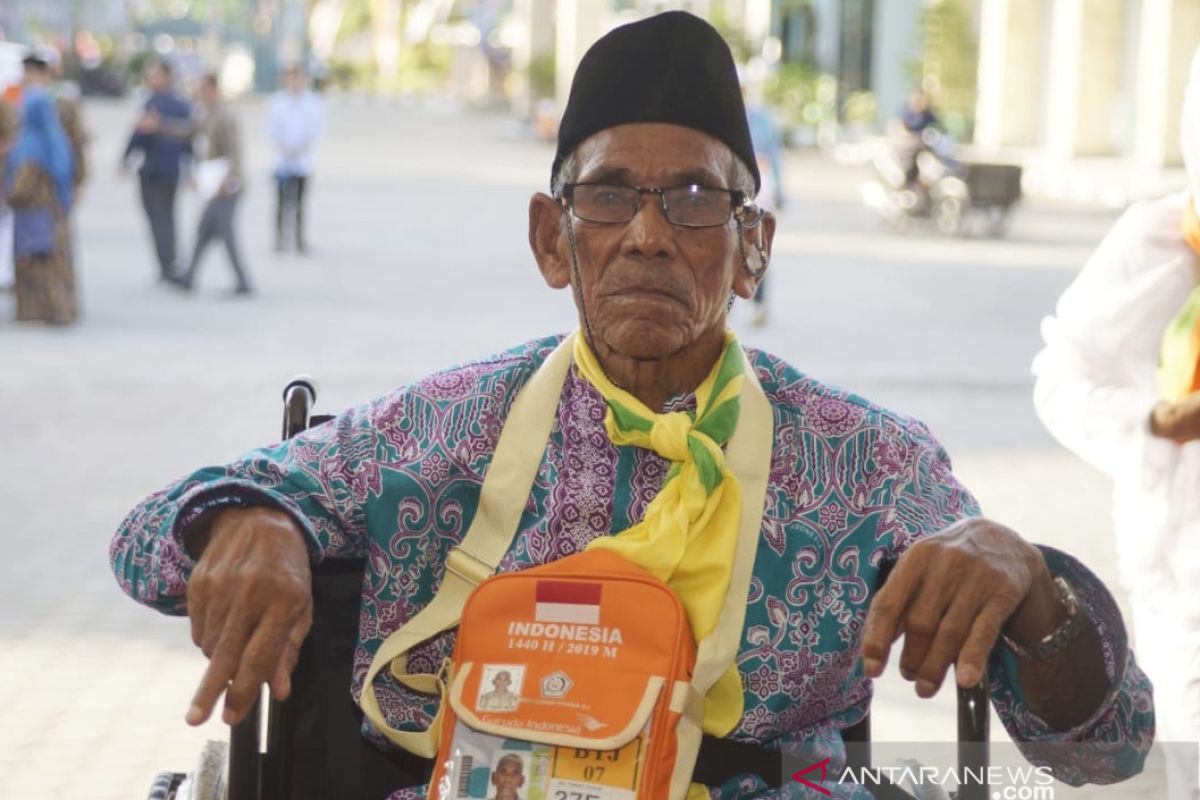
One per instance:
(396, 482)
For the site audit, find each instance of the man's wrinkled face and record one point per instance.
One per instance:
(508, 778)
(651, 288)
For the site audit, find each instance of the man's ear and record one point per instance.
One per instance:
(545, 235)
(756, 243)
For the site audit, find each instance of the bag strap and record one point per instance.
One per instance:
(748, 457)
(502, 499)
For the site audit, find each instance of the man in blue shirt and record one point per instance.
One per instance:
(160, 166)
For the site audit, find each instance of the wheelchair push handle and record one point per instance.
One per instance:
(299, 396)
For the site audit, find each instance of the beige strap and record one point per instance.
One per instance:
(502, 500)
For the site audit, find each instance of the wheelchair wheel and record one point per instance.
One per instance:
(165, 785)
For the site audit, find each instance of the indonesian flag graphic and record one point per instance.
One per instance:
(559, 601)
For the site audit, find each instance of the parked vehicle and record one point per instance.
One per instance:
(955, 197)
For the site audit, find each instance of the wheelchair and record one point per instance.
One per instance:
(314, 748)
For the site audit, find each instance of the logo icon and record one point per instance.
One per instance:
(556, 685)
(591, 723)
(822, 765)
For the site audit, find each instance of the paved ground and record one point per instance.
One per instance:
(421, 260)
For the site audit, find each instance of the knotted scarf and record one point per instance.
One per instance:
(689, 533)
(1179, 357)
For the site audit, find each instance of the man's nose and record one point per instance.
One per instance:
(650, 234)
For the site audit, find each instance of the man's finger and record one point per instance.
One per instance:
(885, 616)
(216, 678)
(197, 612)
(216, 618)
(259, 661)
(973, 655)
(201, 600)
(281, 684)
(222, 667)
(952, 632)
(922, 620)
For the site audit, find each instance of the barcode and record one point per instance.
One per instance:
(464, 776)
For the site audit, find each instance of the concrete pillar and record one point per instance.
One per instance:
(1012, 73)
(1168, 35)
(1185, 35)
(757, 22)
(1100, 78)
(385, 39)
(829, 25)
(1150, 95)
(993, 61)
(580, 23)
(536, 43)
(896, 44)
(1062, 79)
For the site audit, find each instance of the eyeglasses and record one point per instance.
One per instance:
(691, 206)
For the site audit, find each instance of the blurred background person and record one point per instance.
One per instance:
(1118, 382)
(768, 150)
(9, 123)
(218, 173)
(162, 158)
(294, 125)
(39, 187)
(918, 129)
(70, 116)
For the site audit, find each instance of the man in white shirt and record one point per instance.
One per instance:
(1096, 392)
(294, 125)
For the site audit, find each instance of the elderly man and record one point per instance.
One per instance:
(651, 226)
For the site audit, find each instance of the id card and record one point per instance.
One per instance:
(487, 767)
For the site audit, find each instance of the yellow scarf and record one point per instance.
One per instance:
(1179, 357)
(689, 533)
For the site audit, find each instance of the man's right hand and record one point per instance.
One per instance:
(1178, 421)
(250, 603)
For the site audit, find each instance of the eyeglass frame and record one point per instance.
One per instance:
(738, 202)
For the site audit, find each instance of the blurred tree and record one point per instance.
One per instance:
(949, 60)
(385, 38)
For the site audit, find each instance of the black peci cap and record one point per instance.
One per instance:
(673, 67)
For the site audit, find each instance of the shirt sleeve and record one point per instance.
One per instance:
(1095, 376)
(137, 139)
(1111, 745)
(323, 478)
(928, 497)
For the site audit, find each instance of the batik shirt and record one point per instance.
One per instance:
(851, 484)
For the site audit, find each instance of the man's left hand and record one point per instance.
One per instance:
(950, 595)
